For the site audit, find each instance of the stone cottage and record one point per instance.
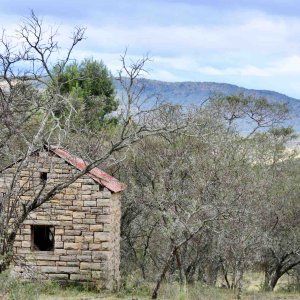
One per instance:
(76, 235)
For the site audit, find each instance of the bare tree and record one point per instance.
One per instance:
(29, 97)
(196, 198)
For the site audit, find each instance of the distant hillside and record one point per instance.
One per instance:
(186, 93)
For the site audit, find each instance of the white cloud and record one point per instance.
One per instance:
(245, 46)
(286, 66)
(164, 75)
(256, 35)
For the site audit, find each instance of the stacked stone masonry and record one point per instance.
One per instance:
(86, 221)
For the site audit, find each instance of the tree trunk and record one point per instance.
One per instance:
(143, 271)
(161, 277)
(6, 257)
(271, 280)
(274, 281)
(168, 261)
(5, 261)
(212, 273)
(266, 286)
(239, 284)
(6, 254)
(178, 261)
(190, 273)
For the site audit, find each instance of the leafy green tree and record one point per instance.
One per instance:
(91, 88)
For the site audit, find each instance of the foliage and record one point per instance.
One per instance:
(13, 289)
(92, 92)
(198, 203)
(204, 201)
(31, 98)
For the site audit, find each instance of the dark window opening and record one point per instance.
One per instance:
(42, 237)
(43, 177)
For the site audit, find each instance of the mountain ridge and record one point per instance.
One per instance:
(195, 92)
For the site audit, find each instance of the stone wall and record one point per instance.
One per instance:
(116, 234)
(86, 220)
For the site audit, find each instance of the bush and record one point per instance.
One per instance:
(14, 289)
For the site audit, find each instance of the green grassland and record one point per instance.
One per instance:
(11, 289)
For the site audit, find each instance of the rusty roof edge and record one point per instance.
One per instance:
(110, 182)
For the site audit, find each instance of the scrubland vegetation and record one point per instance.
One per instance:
(206, 206)
(12, 289)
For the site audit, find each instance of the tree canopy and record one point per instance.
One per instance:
(90, 85)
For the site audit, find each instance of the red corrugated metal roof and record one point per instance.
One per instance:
(98, 175)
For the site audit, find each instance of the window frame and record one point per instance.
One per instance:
(34, 246)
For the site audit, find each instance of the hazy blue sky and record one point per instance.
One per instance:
(255, 44)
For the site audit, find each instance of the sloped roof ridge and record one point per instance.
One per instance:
(108, 181)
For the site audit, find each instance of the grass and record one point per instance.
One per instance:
(12, 289)
(201, 292)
